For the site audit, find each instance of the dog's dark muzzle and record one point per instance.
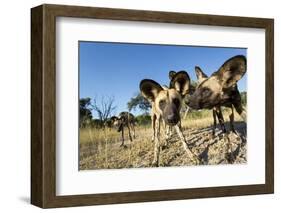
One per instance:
(193, 103)
(171, 116)
(172, 121)
(196, 103)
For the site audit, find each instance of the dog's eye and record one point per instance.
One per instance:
(206, 92)
(162, 104)
(176, 102)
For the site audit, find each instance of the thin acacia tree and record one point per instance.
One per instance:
(104, 107)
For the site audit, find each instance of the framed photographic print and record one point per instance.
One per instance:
(136, 106)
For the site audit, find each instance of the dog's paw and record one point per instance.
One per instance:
(124, 146)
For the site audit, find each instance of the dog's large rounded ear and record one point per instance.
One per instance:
(172, 74)
(181, 82)
(232, 71)
(201, 76)
(150, 89)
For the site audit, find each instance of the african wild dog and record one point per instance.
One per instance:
(185, 98)
(220, 89)
(217, 112)
(109, 122)
(168, 129)
(166, 104)
(125, 119)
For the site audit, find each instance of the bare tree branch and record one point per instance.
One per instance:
(104, 108)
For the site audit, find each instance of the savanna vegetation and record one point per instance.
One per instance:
(100, 144)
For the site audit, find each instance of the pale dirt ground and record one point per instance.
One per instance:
(101, 150)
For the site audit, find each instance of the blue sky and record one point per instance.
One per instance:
(115, 69)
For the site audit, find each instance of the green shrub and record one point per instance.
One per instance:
(143, 119)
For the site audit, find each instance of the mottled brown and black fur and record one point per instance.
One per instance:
(220, 89)
(166, 105)
(185, 98)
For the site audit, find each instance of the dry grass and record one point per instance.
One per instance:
(204, 118)
(100, 148)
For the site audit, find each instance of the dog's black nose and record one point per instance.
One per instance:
(171, 119)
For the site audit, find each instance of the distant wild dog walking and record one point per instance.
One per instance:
(109, 123)
(125, 119)
(220, 89)
(166, 105)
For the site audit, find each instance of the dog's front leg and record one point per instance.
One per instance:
(156, 161)
(122, 134)
(153, 118)
(166, 131)
(129, 132)
(221, 119)
(231, 119)
(215, 121)
(217, 113)
(191, 155)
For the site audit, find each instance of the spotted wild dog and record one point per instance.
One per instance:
(172, 73)
(217, 112)
(108, 123)
(125, 119)
(166, 105)
(220, 89)
(167, 128)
